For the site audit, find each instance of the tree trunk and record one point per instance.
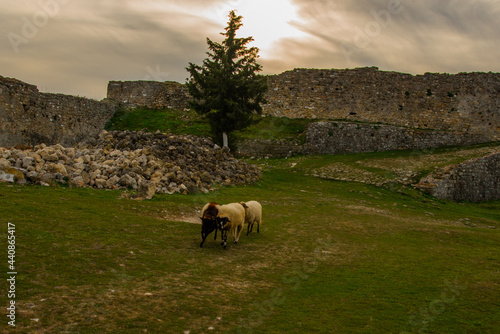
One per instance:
(224, 140)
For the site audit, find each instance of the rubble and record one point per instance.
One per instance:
(147, 162)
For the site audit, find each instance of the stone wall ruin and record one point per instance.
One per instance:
(149, 94)
(476, 180)
(461, 103)
(345, 137)
(464, 102)
(28, 117)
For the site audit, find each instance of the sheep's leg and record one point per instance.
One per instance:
(225, 240)
(203, 237)
(237, 235)
(258, 225)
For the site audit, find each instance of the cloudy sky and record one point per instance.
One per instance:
(77, 46)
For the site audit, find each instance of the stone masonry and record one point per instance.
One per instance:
(28, 117)
(344, 137)
(464, 102)
(150, 94)
(475, 180)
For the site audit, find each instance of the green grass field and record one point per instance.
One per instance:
(332, 257)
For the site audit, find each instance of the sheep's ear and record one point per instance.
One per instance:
(243, 204)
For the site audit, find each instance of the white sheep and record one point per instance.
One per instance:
(231, 218)
(253, 214)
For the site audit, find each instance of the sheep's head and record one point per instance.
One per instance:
(222, 222)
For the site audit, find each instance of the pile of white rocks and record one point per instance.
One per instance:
(148, 162)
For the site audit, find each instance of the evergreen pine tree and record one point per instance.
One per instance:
(226, 88)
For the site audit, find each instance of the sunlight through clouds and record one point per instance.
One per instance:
(265, 20)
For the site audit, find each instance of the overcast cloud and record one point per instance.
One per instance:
(76, 46)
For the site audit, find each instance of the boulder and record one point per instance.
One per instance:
(16, 175)
(6, 177)
(100, 183)
(77, 182)
(147, 189)
(4, 164)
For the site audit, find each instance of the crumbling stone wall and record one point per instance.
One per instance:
(475, 180)
(347, 137)
(465, 102)
(28, 117)
(150, 94)
(344, 137)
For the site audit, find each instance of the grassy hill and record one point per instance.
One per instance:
(332, 257)
(167, 120)
(188, 122)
